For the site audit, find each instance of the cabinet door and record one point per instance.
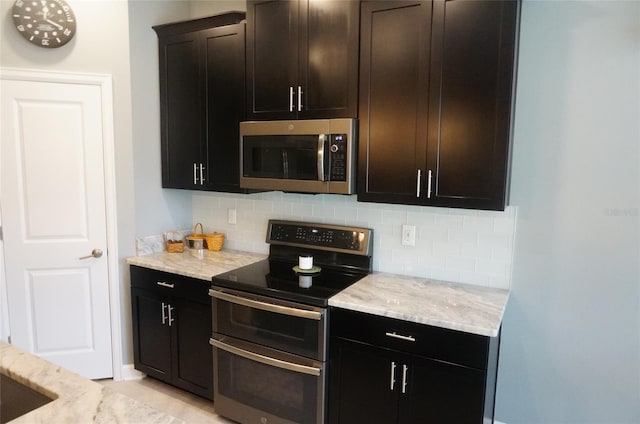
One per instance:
(272, 58)
(360, 384)
(193, 355)
(180, 108)
(470, 107)
(394, 77)
(328, 52)
(151, 334)
(440, 392)
(225, 76)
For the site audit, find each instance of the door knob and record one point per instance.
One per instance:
(95, 253)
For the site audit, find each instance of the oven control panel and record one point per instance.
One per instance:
(320, 236)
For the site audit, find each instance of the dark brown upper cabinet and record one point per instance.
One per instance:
(202, 101)
(436, 102)
(302, 59)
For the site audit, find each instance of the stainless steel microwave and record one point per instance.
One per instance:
(304, 156)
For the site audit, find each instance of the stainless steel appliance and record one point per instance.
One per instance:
(270, 323)
(309, 156)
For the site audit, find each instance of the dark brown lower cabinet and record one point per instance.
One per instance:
(171, 329)
(433, 375)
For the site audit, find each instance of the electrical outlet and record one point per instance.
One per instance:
(408, 235)
(231, 216)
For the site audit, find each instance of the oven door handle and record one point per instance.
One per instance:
(267, 360)
(284, 310)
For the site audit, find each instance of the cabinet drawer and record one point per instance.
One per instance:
(431, 342)
(170, 284)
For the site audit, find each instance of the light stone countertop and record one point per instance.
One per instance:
(77, 399)
(190, 264)
(462, 307)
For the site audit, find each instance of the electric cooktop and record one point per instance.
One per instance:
(342, 256)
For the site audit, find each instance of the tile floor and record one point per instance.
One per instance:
(181, 404)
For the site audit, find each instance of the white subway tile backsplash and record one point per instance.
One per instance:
(479, 224)
(467, 246)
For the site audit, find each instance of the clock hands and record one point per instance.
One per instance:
(54, 23)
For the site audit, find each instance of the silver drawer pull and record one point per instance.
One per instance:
(278, 309)
(401, 337)
(163, 284)
(267, 360)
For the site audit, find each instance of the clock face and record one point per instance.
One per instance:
(45, 23)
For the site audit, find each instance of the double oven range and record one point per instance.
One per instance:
(270, 323)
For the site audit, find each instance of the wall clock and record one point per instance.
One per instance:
(45, 23)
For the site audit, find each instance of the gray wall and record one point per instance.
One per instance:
(157, 209)
(571, 334)
(200, 8)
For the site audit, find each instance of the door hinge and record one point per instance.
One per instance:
(9, 339)
(1, 238)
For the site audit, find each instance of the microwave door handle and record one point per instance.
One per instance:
(321, 139)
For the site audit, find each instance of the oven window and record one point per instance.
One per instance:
(300, 336)
(283, 157)
(285, 394)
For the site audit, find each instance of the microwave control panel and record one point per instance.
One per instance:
(338, 157)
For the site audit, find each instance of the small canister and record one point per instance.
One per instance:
(305, 261)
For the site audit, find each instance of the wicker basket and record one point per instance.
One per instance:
(196, 240)
(174, 242)
(214, 241)
(174, 246)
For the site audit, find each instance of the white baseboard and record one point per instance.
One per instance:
(498, 422)
(130, 373)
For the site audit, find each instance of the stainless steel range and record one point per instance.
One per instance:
(270, 322)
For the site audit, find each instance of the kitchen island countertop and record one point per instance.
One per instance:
(76, 399)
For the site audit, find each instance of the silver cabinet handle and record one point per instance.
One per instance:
(404, 378)
(299, 99)
(169, 309)
(320, 164)
(195, 173)
(95, 253)
(418, 183)
(393, 375)
(400, 336)
(429, 185)
(163, 284)
(284, 310)
(201, 174)
(267, 360)
(164, 317)
(290, 99)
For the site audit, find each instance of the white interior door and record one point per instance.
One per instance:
(53, 215)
